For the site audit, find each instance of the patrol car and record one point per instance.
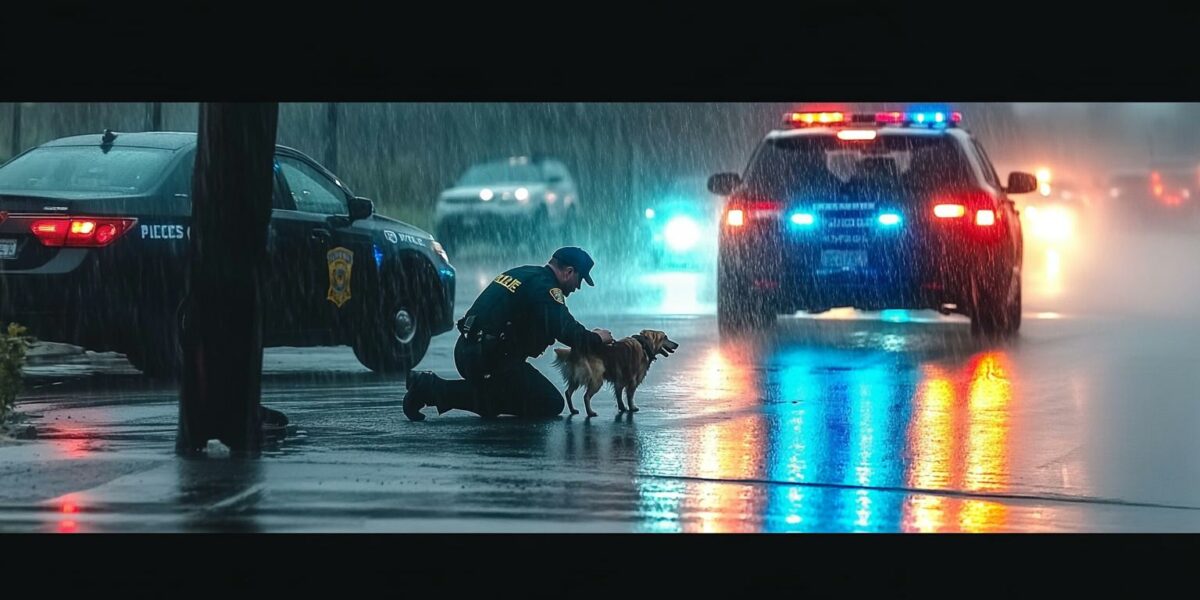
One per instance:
(510, 197)
(888, 210)
(94, 232)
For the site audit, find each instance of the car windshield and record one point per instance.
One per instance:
(121, 170)
(501, 172)
(823, 166)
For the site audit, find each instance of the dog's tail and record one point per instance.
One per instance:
(562, 362)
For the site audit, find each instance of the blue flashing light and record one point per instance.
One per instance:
(378, 256)
(933, 116)
(803, 219)
(889, 219)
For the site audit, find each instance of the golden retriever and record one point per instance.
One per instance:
(623, 363)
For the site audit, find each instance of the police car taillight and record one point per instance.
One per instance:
(960, 206)
(738, 214)
(80, 232)
(949, 211)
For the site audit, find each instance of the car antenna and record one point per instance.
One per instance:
(107, 139)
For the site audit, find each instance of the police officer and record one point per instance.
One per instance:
(517, 316)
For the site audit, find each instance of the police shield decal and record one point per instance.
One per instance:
(341, 261)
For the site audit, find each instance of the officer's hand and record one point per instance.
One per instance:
(605, 335)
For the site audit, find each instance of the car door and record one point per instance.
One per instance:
(290, 282)
(1007, 207)
(340, 260)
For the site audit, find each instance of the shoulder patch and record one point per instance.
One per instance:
(557, 295)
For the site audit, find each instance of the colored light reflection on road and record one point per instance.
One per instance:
(960, 441)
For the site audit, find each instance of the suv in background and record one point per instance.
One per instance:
(506, 200)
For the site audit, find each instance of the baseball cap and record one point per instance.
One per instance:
(576, 257)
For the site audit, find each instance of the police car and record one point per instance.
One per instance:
(873, 211)
(94, 234)
(511, 197)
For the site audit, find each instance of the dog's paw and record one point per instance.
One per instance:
(620, 409)
(634, 409)
(574, 411)
(593, 413)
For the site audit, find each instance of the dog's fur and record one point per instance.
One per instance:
(623, 363)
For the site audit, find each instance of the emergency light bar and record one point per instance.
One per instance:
(924, 118)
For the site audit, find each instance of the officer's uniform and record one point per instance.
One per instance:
(517, 316)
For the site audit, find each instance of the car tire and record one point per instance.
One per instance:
(395, 336)
(738, 312)
(996, 306)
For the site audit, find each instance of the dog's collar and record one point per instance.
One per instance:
(646, 346)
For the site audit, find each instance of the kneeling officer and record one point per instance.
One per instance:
(517, 316)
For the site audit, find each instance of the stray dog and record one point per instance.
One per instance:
(623, 363)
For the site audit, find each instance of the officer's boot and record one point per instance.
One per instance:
(422, 388)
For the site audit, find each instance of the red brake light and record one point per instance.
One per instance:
(51, 232)
(86, 232)
(741, 211)
(106, 233)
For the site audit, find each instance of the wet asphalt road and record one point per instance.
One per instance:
(846, 422)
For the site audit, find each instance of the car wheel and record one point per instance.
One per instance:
(996, 307)
(739, 312)
(396, 336)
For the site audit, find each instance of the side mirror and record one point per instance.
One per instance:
(361, 208)
(1021, 183)
(723, 184)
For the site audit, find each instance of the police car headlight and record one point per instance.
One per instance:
(437, 247)
(681, 233)
(522, 195)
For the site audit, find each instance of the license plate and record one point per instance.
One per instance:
(843, 259)
(8, 249)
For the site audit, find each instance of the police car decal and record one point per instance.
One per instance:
(391, 236)
(341, 262)
(557, 295)
(165, 232)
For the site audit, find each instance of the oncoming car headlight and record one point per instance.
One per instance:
(681, 233)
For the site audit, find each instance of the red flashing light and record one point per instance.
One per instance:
(804, 119)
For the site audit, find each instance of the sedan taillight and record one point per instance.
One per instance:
(80, 232)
